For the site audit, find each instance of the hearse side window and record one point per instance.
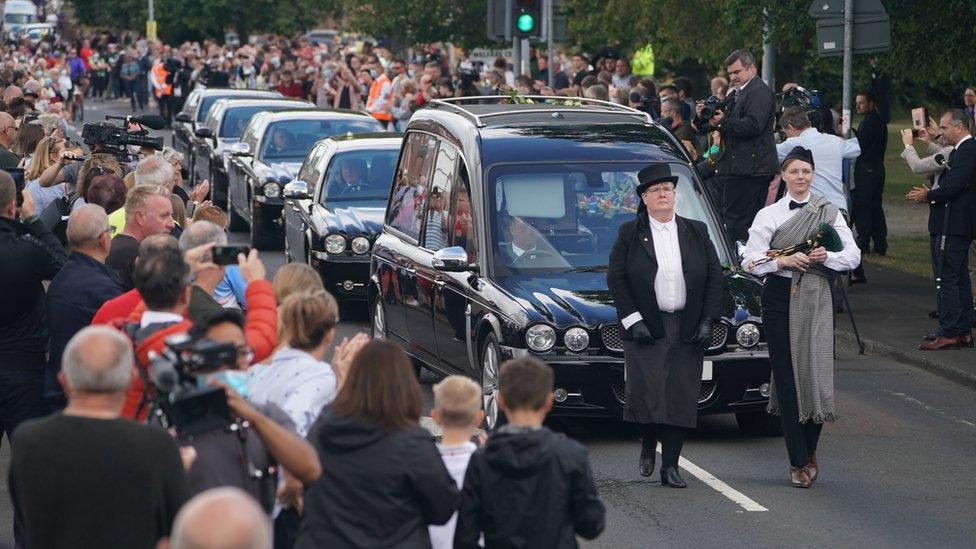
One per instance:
(412, 179)
(439, 198)
(464, 231)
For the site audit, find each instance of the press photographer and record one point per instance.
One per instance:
(745, 121)
(202, 382)
(177, 361)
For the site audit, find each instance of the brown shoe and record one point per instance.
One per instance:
(812, 468)
(940, 343)
(799, 477)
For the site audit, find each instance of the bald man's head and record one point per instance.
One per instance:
(221, 518)
(8, 129)
(11, 93)
(87, 227)
(98, 359)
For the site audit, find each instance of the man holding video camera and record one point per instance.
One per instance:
(748, 162)
(226, 455)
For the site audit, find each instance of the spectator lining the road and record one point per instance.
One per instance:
(550, 472)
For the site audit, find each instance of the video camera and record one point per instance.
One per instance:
(181, 402)
(106, 137)
(809, 101)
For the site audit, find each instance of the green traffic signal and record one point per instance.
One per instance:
(525, 22)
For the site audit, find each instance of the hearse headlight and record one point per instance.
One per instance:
(540, 337)
(576, 339)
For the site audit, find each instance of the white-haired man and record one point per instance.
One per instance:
(71, 483)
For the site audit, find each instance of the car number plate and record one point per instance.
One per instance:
(706, 370)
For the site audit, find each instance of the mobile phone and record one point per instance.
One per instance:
(919, 116)
(18, 176)
(227, 255)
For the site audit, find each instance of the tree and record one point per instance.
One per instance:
(406, 23)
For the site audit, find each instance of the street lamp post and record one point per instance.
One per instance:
(151, 22)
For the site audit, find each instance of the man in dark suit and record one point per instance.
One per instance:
(869, 176)
(748, 161)
(952, 225)
(667, 283)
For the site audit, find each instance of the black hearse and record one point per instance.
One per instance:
(448, 284)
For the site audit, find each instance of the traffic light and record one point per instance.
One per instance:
(527, 18)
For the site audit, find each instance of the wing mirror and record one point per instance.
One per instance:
(183, 117)
(240, 149)
(296, 190)
(452, 260)
(203, 133)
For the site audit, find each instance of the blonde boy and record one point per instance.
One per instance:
(457, 410)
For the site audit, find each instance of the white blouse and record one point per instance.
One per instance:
(771, 217)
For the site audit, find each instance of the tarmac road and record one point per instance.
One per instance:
(897, 469)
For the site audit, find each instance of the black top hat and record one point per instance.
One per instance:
(655, 173)
(798, 153)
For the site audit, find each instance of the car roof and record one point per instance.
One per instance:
(231, 102)
(236, 91)
(558, 133)
(366, 141)
(314, 114)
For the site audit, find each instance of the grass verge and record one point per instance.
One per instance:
(910, 254)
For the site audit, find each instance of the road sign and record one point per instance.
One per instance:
(870, 34)
(830, 9)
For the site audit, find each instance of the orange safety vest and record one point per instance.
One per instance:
(374, 94)
(159, 75)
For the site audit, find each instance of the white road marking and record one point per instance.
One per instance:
(713, 482)
(927, 408)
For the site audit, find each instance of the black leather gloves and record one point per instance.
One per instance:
(703, 337)
(641, 334)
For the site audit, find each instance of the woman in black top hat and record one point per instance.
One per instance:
(797, 309)
(667, 285)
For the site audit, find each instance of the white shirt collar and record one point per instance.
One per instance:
(742, 87)
(658, 226)
(810, 130)
(961, 141)
(158, 317)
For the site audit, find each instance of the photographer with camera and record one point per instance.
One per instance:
(227, 455)
(745, 120)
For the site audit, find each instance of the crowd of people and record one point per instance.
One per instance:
(110, 267)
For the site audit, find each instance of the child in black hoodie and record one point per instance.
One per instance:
(528, 487)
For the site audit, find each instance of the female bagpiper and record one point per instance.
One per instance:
(667, 283)
(797, 309)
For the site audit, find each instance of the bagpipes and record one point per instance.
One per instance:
(825, 236)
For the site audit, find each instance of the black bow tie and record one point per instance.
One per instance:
(796, 205)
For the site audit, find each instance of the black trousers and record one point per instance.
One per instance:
(869, 217)
(955, 292)
(742, 198)
(672, 439)
(801, 438)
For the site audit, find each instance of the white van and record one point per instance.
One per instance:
(17, 13)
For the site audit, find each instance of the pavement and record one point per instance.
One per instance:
(891, 316)
(896, 469)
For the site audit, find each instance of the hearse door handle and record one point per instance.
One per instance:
(410, 271)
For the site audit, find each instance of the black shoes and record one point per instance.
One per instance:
(646, 463)
(670, 477)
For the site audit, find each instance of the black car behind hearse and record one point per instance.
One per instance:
(334, 209)
(272, 148)
(477, 186)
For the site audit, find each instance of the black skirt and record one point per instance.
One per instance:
(664, 379)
